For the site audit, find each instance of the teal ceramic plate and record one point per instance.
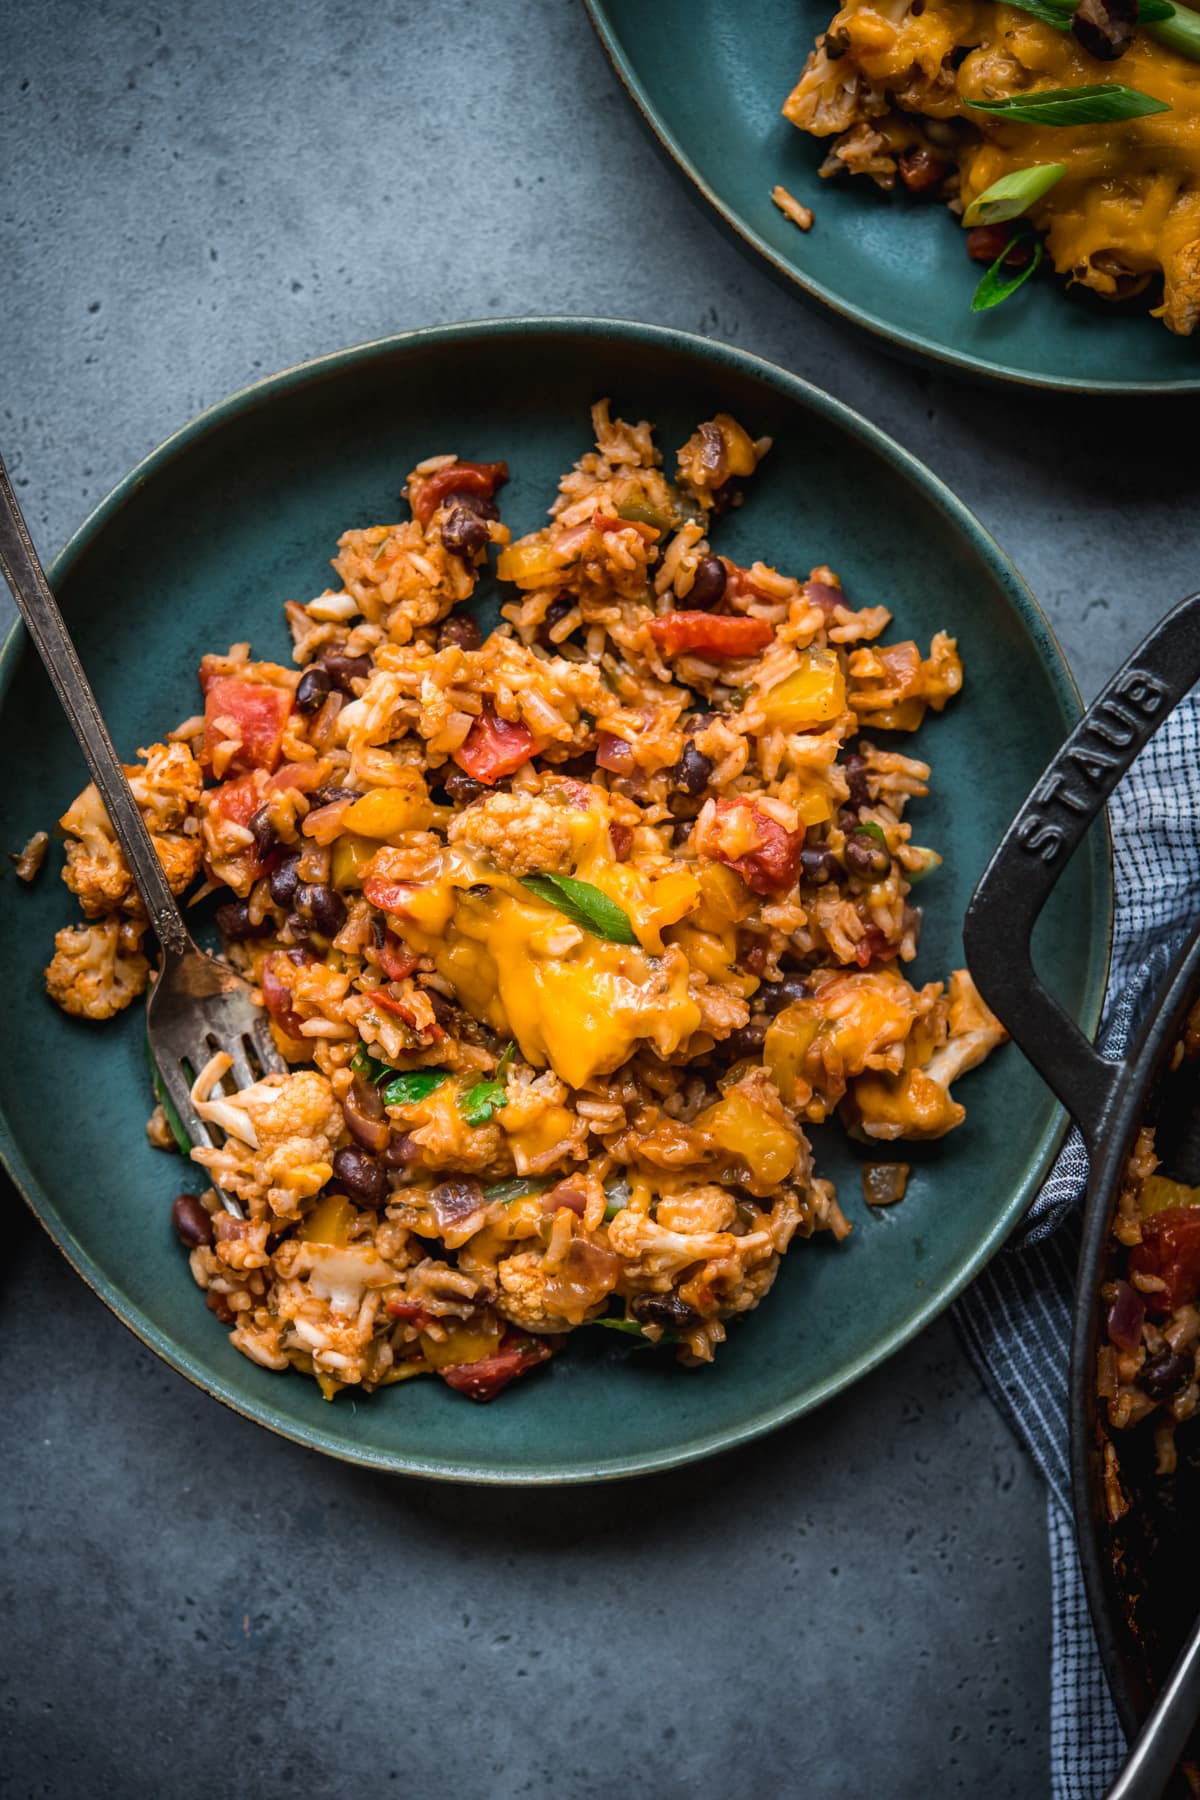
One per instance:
(709, 78)
(201, 545)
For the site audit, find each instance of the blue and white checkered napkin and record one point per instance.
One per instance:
(1016, 1318)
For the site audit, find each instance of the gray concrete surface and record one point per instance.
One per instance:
(194, 196)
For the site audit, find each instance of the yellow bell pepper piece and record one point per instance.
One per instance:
(384, 811)
(529, 564)
(462, 1344)
(790, 1036)
(724, 897)
(1158, 1194)
(811, 695)
(739, 447)
(739, 1125)
(329, 1222)
(814, 807)
(351, 855)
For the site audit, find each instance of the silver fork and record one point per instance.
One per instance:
(197, 1006)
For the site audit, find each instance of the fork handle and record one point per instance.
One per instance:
(39, 609)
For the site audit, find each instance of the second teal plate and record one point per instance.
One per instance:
(709, 77)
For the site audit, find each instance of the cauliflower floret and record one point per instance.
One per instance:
(554, 1293)
(97, 970)
(917, 1103)
(165, 788)
(519, 833)
(279, 1138)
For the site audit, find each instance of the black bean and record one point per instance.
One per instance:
(748, 1039)
(462, 788)
(855, 770)
(479, 504)
(235, 925)
(775, 995)
(818, 866)
(663, 1309)
(708, 587)
(342, 670)
(557, 609)
(693, 771)
(322, 906)
(360, 1175)
(460, 629)
(1166, 1373)
(1105, 27)
(329, 796)
(866, 857)
(312, 690)
(190, 1217)
(265, 835)
(284, 878)
(464, 534)
(697, 721)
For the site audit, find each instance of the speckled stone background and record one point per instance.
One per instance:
(195, 195)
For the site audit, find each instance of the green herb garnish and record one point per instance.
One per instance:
(872, 830)
(368, 1066)
(479, 1102)
(584, 905)
(183, 1142)
(1013, 194)
(995, 286)
(517, 1188)
(1105, 103)
(413, 1085)
(633, 1329)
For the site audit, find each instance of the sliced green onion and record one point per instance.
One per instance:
(1180, 32)
(633, 1329)
(617, 1195)
(995, 287)
(1104, 103)
(1013, 194)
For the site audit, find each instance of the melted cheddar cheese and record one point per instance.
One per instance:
(1129, 203)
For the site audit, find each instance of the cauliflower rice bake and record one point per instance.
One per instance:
(566, 933)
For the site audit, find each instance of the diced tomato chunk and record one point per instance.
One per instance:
(277, 996)
(757, 847)
(389, 896)
(494, 747)
(872, 947)
(396, 959)
(411, 1311)
(1170, 1249)
(485, 1379)
(739, 582)
(604, 522)
(260, 713)
(239, 799)
(710, 634)
(456, 478)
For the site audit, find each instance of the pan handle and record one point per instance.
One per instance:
(1038, 845)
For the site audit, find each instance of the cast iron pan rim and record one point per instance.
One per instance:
(1092, 1529)
(718, 357)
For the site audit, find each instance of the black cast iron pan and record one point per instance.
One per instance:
(1143, 1574)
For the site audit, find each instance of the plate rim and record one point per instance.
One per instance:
(820, 404)
(900, 339)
